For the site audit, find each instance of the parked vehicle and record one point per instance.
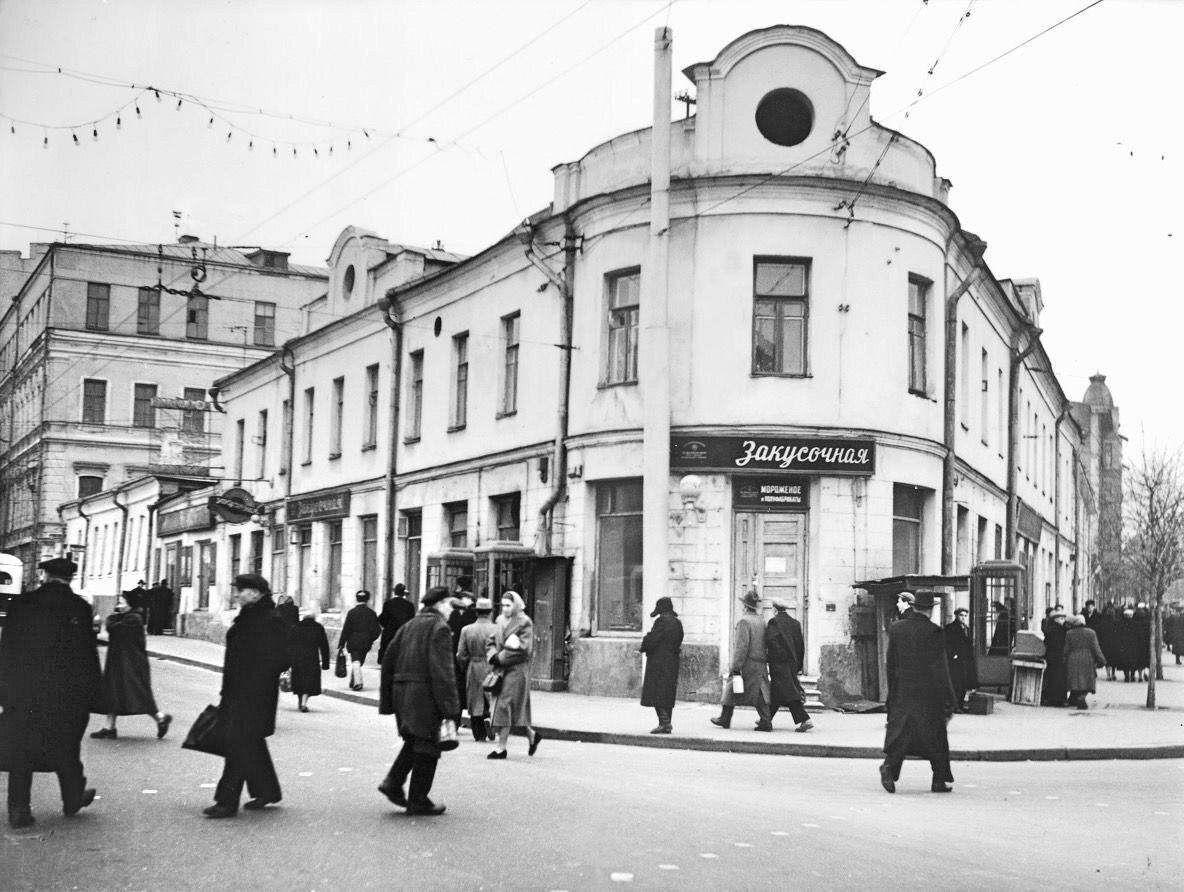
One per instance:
(11, 574)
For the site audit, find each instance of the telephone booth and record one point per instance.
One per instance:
(502, 566)
(445, 566)
(996, 599)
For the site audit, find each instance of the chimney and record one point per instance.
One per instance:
(188, 240)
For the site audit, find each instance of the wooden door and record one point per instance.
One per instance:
(770, 553)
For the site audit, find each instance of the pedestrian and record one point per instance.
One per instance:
(358, 634)
(1142, 660)
(1083, 657)
(49, 683)
(141, 601)
(396, 611)
(1174, 631)
(160, 608)
(1128, 645)
(308, 650)
(509, 649)
(1109, 638)
(749, 662)
(662, 646)
(474, 666)
(1002, 634)
(463, 615)
(256, 654)
(127, 679)
(1053, 691)
(960, 656)
(287, 610)
(418, 687)
(920, 697)
(786, 648)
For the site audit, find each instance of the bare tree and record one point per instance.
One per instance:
(1154, 551)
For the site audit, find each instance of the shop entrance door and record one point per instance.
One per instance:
(770, 552)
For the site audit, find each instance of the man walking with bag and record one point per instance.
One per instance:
(750, 663)
(786, 648)
(358, 634)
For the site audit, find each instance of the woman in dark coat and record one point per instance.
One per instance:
(1107, 630)
(127, 680)
(1083, 657)
(308, 648)
(662, 646)
(509, 648)
(1053, 693)
(1126, 634)
(287, 610)
(785, 646)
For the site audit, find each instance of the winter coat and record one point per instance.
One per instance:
(418, 683)
(160, 608)
(1173, 632)
(395, 612)
(127, 680)
(1054, 691)
(1108, 637)
(511, 706)
(960, 656)
(359, 632)
(785, 646)
(662, 646)
(1083, 657)
(749, 661)
(1130, 648)
(49, 679)
(1142, 620)
(256, 654)
(472, 663)
(920, 695)
(308, 649)
(289, 613)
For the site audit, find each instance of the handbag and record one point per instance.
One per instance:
(339, 670)
(446, 737)
(492, 683)
(737, 684)
(286, 681)
(208, 734)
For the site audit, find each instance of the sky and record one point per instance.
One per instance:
(1066, 155)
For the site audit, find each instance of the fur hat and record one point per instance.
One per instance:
(61, 567)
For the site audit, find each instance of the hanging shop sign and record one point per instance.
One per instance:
(322, 506)
(1027, 522)
(196, 517)
(236, 505)
(770, 493)
(807, 455)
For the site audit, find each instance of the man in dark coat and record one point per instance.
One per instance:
(750, 662)
(662, 646)
(960, 656)
(1054, 691)
(160, 607)
(256, 654)
(358, 634)
(1173, 632)
(920, 697)
(396, 611)
(419, 688)
(49, 683)
(465, 614)
(786, 648)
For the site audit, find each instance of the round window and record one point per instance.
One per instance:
(785, 117)
(347, 283)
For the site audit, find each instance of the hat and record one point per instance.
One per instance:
(252, 580)
(63, 567)
(1057, 611)
(908, 596)
(484, 604)
(750, 598)
(780, 604)
(434, 596)
(1075, 620)
(663, 605)
(965, 610)
(923, 600)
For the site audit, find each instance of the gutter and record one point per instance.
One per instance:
(1056, 504)
(390, 315)
(122, 506)
(1013, 427)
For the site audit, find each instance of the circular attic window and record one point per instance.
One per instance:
(785, 117)
(347, 283)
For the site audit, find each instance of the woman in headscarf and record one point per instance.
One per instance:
(509, 649)
(127, 683)
(308, 648)
(1083, 657)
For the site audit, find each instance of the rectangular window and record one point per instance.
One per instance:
(236, 554)
(193, 421)
(510, 364)
(370, 552)
(333, 583)
(185, 569)
(998, 542)
(412, 551)
(94, 401)
(460, 381)
(303, 562)
(88, 485)
(780, 311)
(148, 312)
(279, 559)
(257, 552)
(1001, 402)
(338, 417)
(964, 383)
(984, 421)
(624, 304)
(143, 415)
(197, 318)
(261, 445)
(415, 398)
(309, 399)
(285, 438)
(98, 306)
(907, 505)
(371, 407)
(506, 516)
(264, 324)
(456, 514)
(240, 436)
(618, 556)
(918, 303)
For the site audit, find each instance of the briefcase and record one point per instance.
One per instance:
(208, 734)
(339, 670)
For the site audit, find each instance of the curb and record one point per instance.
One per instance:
(771, 748)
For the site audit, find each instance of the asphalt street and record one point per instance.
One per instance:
(586, 816)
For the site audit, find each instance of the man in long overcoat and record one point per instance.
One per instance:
(960, 656)
(662, 646)
(786, 646)
(49, 683)
(256, 654)
(750, 662)
(358, 634)
(920, 697)
(1053, 692)
(396, 611)
(418, 687)
(473, 665)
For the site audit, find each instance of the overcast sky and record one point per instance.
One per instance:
(1066, 156)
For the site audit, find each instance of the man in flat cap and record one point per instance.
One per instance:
(750, 662)
(786, 647)
(49, 684)
(920, 697)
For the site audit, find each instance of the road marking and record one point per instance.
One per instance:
(1102, 804)
(781, 833)
(1052, 797)
(1015, 792)
(208, 786)
(708, 855)
(621, 877)
(345, 769)
(1163, 813)
(810, 825)
(304, 774)
(667, 867)
(970, 786)
(148, 792)
(742, 845)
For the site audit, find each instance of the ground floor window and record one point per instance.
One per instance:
(618, 556)
(907, 505)
(370, 554)
(303, 560)
(279, 560)
(257, 552)
(333, 583)
(412, 552)
(236, 554)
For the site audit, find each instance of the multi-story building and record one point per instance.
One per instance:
(106, 353)
(1101, 460)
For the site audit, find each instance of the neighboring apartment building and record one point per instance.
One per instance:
(91, 341)
(1101, 460)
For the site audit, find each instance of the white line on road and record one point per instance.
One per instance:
(621, 877)
(305, 774)
(708, 855)
(742, 845)
(207, 786)
(667, 867)
(810, 825)
(781, 833)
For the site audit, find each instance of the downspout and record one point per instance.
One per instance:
(122, 539)
(1013, 425)
(390, 315)
(1076, 526)
(1056, 506)
(287, 362)
(85, 539)
(152, 576)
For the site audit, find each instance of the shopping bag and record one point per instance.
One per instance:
(208, 734)
(737, 684)
(492, 683)
(340, 670)
(286, 681)
(446, 737)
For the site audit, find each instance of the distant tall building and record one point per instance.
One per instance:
(1101, 456)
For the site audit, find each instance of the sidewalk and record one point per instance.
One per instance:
(1115, 727)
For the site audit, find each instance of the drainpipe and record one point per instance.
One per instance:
(976, 247)
(288, 367)
(1013, 425)
(1056, 506)
(85, 538)
(152, 571)
(122, 506)
(390, 315)
(1076, 527)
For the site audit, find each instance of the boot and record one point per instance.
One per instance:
(725, 717)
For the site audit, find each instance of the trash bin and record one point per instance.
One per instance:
(1027, 680)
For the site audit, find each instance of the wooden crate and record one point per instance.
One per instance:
(1027, 680)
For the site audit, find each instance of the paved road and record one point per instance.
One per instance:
(582, 816)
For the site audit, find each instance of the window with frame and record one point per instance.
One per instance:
(908, 503)
(143, 414)
(918, 304)
(240, 436)
(236, 554)
(984, 421)
(456, 515)
(619, 556)
(261, 444)
(415, 400)
(624, 306)
(197, 317)
(148, 312)
(780, 316)
(506, 516)
(333, 583)
(98, 306)
(412, 552)
(285, 440)
(256, 559)
(338, 417)
(94, 401)
(369, 525)
(309, 400)
(88, 485)
(264, 323)
(460, 380)
(510, 326)
(279, 559)
(964, 383)
(371, 407)
(193, 421)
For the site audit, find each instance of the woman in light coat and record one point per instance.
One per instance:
(1083, 657)
(509, 649)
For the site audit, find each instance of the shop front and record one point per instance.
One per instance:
(189, 558)
(315, 526)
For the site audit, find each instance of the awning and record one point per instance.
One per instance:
(911, 582)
